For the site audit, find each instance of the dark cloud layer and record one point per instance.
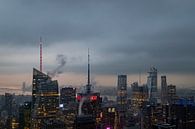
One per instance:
(128, 36)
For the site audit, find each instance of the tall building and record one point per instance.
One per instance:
(25, 116)
(90, 101)
(122, 98)
(152, 85)
(122, 93)
(163, 90)
(109, 117)
(45, 98)
(171, 94)
(139, 96)
(68, 105)
(67, 96)
(9, 103)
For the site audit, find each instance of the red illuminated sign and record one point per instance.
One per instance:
(93, 98)
(79, 97)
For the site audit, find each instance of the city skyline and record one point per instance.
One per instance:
(124, 37)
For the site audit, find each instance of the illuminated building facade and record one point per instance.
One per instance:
(109, 118)
(68, 105)
(139, 96)
(45, 98)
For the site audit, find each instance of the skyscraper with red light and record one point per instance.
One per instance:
(91, 101)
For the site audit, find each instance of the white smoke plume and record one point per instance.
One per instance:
(83, 99)
(61, 60)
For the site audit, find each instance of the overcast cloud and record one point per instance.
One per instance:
(124, 36)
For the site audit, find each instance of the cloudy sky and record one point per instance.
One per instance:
(124, 37)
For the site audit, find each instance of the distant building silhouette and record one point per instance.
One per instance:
(152, 85)
(9, 100)
(171, 94)
(163, 90)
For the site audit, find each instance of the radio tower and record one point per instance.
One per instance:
(88, 81)
(41, 43)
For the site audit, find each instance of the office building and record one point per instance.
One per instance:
(139, 96)
(45, 98)
(25, 116)
(109, 117)
(171, 94)
(122, 98)
(122, 93)
(163, 90)
(152, 85)
(9, 100)
(67, 96)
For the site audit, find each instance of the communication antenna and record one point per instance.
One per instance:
(140, 78)
(88, 68)
(41, 58)
(88, 86)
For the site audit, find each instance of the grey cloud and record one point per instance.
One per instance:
(127, 35)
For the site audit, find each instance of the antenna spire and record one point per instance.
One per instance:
(88, 86)
(140, 81)
(41, 58)
(88, 68)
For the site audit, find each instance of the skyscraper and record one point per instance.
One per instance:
(45, 98)
(67, 96)
(25, 115)
(122, 98)
(9, 103)
(139, 95)
(122, 93)
(171, 94)
(152, 85)
(163, 89)
(90, 101)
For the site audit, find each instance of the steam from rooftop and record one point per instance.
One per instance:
(61, 60)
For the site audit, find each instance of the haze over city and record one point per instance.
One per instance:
(124, 37)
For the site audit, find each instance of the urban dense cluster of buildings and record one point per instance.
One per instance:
(147, 107)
